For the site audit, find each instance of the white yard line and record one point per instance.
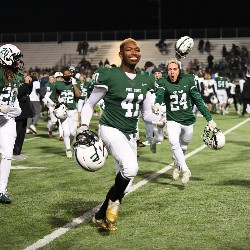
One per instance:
(23, 167)
(86, 216)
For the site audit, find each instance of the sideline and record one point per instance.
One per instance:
(86, 216)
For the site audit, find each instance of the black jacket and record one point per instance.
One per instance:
(24, 101)
(246, 89)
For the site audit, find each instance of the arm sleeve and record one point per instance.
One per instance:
(88, 108)
(15, 110)
(147, 113)
(47, 98)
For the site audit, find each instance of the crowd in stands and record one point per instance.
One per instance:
(233, 66)
(233, 62)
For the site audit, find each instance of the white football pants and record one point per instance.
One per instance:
(123, 150)
(7, 142)
(179, 136)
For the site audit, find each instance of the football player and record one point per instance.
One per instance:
(67, 92)
(179, 92)
(126, 91)
(10, 65)
(50, 100)
(86, 88)
(220, 84)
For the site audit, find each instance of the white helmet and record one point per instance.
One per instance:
(58, 73)
(9, 56)
(89, 151)
(215, 141)
(214, 99)
(60, 111)
(184, 45)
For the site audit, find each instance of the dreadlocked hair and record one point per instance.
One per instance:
(9, 76)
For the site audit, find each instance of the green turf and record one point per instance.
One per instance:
(211, 212)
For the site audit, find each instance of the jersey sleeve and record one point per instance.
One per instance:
(101, 78)
(197, 99)
(160, 90)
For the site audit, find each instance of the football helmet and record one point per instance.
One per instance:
(72, 69)
(214, 139)
(184, 45)
(60, 111)
(10, 56)
(214, 99)
(89, 151)
(57, 74)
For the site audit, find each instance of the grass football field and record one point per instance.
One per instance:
(53, 199)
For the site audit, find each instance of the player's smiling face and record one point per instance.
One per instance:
(173, 72)
(131, 53)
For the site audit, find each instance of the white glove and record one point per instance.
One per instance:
(4, 108)
(84, 127)
(73, 81)
(161, 123)
(61, 100)
(157, 108)
(212, 125)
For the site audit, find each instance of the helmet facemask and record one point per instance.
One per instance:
(10, 57)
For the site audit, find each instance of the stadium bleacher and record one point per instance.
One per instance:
(52, 54)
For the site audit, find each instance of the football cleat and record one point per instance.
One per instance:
(69, 154)
(18, 157)
(112, 211)
(33, 129)
(140, 144)
(185, 177)
(146, 143)
(50, 134)
(103, 224)
(4, 199)
(176, 173)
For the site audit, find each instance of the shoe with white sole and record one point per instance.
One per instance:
(69, 154)
(18, 157)
(185, 177)
(146, 143)
(176, 172)
(32, 128)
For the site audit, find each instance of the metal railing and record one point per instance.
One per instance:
(114, 35)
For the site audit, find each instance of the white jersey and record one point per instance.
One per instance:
(208, 87)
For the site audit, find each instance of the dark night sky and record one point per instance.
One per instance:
(82, 15)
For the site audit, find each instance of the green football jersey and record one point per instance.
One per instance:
(221, 82)
(66, 92)
(179, 98)
(124, 97)
(85, 88)
(51, 87)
